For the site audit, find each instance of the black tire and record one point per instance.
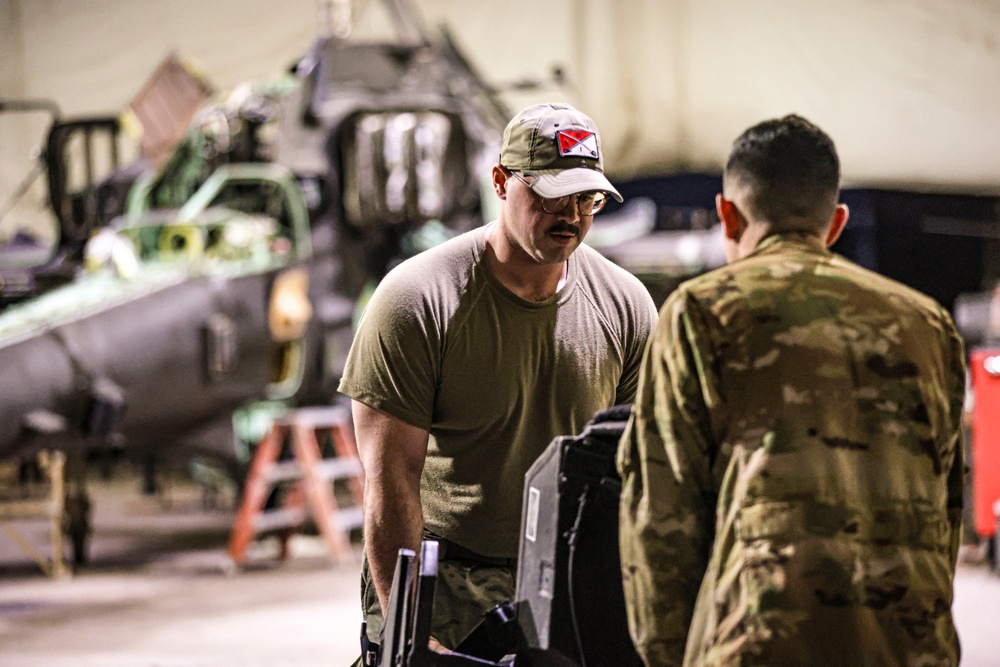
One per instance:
(78, 526)
(993, 552)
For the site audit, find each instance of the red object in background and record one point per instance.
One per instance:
(985, 365)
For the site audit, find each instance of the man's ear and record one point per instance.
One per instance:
(732, 220)
(500, 181)
(837, 223)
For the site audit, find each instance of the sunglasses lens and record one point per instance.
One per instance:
(589, 203)
(557, 205)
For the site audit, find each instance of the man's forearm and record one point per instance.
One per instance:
(393, 521)
(392, 453)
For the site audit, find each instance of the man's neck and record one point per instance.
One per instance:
(757, 233)
(530, 280)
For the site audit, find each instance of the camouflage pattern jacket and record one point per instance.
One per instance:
(792, 469)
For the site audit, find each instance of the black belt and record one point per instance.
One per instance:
(448, 550)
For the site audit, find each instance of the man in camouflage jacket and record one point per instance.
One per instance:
(792, 470)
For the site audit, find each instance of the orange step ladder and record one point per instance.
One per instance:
(310, 482)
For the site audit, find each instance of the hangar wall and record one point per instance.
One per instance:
(908, 88)
(11, 85)
(905, 87)
(20, 137)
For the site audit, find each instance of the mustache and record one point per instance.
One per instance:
(564, 228)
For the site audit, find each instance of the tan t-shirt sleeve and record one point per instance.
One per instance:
(394, 360)
(641, 322)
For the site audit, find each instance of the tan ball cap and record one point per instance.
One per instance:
(560, 146)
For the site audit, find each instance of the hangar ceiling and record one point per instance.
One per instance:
(909, 89)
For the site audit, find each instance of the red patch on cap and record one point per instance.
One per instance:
(577, 143)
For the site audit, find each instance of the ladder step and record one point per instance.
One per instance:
(351, 517)
(284, 471)
(280, 518)
(318, 417)
(30, 509)
(330, 469)
(340, 468)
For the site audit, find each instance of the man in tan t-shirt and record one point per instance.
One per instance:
(473, 355)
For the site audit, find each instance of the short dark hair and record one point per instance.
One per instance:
(791, 170)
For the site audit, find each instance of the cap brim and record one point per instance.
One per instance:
(552, 184)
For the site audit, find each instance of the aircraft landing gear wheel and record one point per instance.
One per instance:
(993, 548)
(78, 526)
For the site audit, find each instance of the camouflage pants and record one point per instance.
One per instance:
(466, 589)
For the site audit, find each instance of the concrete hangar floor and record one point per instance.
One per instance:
(158, 591)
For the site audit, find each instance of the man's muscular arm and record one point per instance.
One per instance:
(392, 454)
